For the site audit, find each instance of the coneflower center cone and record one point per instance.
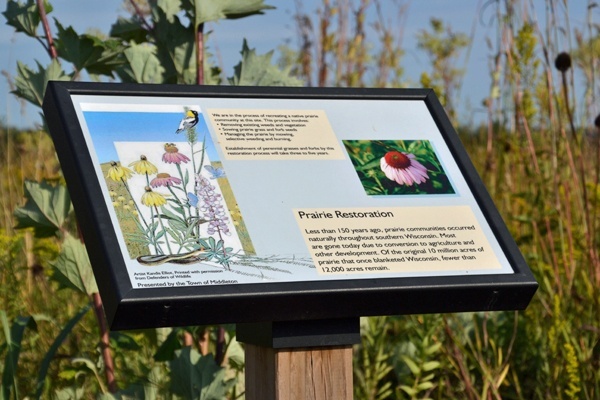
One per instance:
(396, 159)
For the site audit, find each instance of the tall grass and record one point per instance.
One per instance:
(538, 154)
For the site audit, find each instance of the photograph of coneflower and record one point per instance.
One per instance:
(398, 167)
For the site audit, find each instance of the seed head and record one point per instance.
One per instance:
(562, 62)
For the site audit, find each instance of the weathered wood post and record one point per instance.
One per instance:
(299, 360)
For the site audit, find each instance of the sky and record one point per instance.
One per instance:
(266, 32)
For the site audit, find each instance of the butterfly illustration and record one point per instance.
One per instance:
(192, 199)
(215, 172)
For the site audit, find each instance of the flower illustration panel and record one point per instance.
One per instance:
(398, 167)
(172, 199)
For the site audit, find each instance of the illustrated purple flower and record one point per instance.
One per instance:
(164, 179)
(211, 207)
(403, 168)
(173, 156)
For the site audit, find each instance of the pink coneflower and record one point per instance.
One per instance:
(403, 168)
(173, 156)
(164, 179)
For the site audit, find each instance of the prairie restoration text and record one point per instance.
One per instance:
(344, 214)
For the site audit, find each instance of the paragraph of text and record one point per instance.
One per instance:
(274, 134)
(396, 240)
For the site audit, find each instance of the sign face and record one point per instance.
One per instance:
(221, 204)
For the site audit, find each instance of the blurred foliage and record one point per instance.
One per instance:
(542, 171)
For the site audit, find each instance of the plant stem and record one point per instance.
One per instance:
(200, 55)
(51, 48)
(164, 230)
(140, 15)
(109, 366)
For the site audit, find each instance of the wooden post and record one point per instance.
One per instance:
(298, 374)
(299, 360)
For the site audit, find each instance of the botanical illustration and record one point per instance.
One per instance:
(172, 197)
(174, 211)
(398, 167)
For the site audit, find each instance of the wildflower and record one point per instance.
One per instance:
(121, 199)
(210, 206)
(403, 168)
(153, 199)
(173, 156)
(143, 166)
(562, 62)
(118, 173)
(164, 179)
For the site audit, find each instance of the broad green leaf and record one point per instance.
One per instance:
(235, 353)
(175, 47)
(214, 10)
(49, 356)
(96, 55)
(170, 8)
(69, 393)
(25, 17)
(198, 377)
(142, 65)
(46, 209)
(257, 70)
(72, 267)
(409, 391)
(129, 30)
(430, 365)
(168, 347)
(414, 368)
(13, 336)
(120, 340)
(31, 85)
(424, 386)
(185, 377)
(78, 50)
(88, 364)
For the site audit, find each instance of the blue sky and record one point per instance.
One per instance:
(275, 27)
(109, 127)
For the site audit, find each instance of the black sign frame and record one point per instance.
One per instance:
(129, 308)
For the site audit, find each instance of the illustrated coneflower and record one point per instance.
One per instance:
(403, 168)
(173, 156)
(153, 199)
(164, 179)
(118, 173)
(143, 166)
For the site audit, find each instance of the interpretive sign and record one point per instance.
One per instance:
(203, 204)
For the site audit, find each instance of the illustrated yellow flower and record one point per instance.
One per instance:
(143, 166)
(118, 173)
(153, 199)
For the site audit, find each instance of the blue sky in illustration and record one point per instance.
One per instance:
(109, 127)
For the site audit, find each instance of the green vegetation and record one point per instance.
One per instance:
(538, 154)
